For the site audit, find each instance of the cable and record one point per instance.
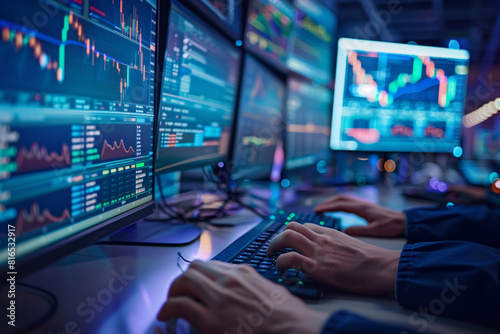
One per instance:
(179, 256)
(53, 305)
(201, 212)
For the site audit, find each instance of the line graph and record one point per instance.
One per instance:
(116, 151)
(38, 158)
(35, 218)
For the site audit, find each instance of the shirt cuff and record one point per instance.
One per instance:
(332, 324)
(405, 275)
(413, 219)
(343, 321)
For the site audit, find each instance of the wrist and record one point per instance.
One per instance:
(389, 271)
(401, 219)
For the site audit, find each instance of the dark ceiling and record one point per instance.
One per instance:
(475, 24)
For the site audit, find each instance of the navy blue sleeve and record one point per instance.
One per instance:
(474, 223)
(345, 322)
(451, 278)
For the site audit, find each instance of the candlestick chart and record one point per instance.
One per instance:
(404, 78)
(394, 99)
(81, 56)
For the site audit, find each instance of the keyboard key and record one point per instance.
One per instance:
(275, 272)
(237, 261)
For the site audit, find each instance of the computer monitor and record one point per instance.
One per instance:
(224, 13)
(259, 123)
(308, 116)
(198, 94)
(398, 98)
(268, 30)
(76, 125)
(311, 49)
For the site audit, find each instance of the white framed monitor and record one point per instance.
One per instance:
(393, 97)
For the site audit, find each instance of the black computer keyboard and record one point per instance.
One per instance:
(251, 249)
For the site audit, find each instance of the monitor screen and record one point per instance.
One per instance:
(308, 116)
(76, 120)
(225, 13)
(198, 94)
(312, 41)
(398, 98)
(269, 28)
(260, 121)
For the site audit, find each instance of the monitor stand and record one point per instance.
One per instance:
(154, 233)
(158, 229)
(33, 307)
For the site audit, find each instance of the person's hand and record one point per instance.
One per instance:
(382, 222)
(336, 259)
(472, 194)
(217, 297)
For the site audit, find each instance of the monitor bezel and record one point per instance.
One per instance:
(216, 22)
(182, 166)
(395, 48)
(47, 255)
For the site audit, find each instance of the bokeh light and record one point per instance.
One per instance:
(390, 166)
